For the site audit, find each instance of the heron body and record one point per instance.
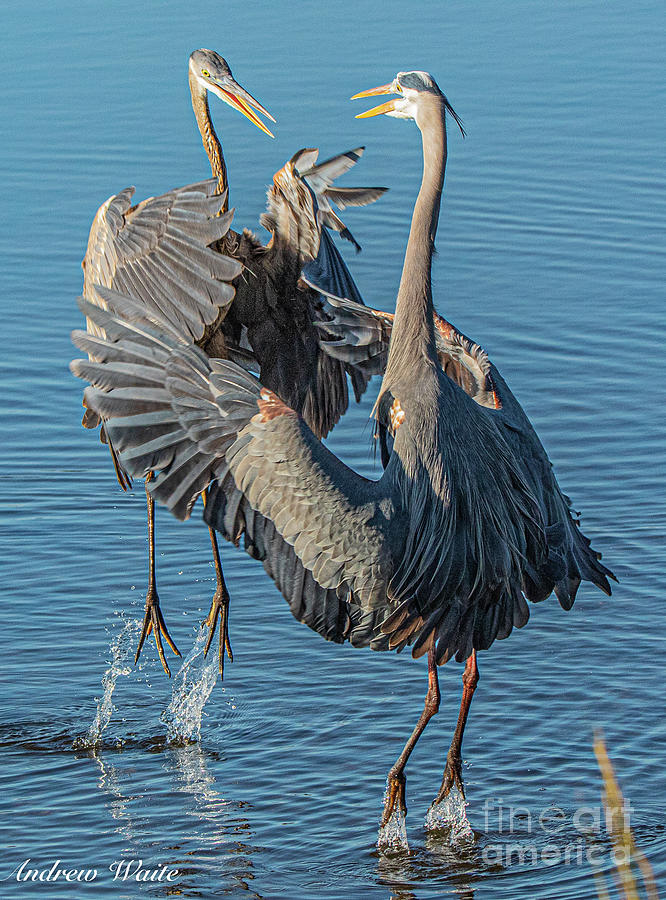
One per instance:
(160, 254)
(364, 336)
(440, 554)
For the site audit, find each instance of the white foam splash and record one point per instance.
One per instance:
(392, 837)
(122, 650)
(450, 814)
(192, 687)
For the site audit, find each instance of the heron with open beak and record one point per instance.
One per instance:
(208, 71)
(176, 257)
(441, 554)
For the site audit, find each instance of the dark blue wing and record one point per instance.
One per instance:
(328, 271)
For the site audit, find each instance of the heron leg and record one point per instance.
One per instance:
(153, 620)
(220, 605)
(396, 777)
(453, 769)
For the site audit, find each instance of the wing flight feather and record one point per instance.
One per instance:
(193, 421)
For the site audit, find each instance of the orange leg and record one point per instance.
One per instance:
(396, 777)
(453, 770)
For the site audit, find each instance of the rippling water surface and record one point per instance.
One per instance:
(551, 254)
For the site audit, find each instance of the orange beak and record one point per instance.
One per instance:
(228, 89)
(244, 107)
(383, 108)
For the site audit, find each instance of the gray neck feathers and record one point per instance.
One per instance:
(412, 345)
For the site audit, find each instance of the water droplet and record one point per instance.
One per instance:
(392, 837)
(192, 687)
(122, 651)
(450, 814)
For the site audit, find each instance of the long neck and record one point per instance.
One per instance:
(413, 338)
(211, 142)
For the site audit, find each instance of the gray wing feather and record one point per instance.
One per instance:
(195, 421)
(298, 201)
(474, 529)
(353, 333)
(320, 178)
(578, 561)
(360, 335)
(305, 159)
(344, 197)
(323, 610)
(157, 253)
(333, 167)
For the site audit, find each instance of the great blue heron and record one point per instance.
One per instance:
(364, 336)
(156, 254)
(440, 553)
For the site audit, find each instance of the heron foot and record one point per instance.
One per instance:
(452, 776)
(153, 621)
(447, 812)
(395, 794)
(219, 609)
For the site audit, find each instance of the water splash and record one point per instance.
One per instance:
(192, 687)
(450, 814)
(392, 837)
(122, 659)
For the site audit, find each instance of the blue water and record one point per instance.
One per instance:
(551, 254)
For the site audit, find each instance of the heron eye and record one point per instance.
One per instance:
(205, 73)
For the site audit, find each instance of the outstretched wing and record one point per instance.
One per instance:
(325, 610)
(360, 335)
(300, 262)
(171, 410)
(299, 200)
(320, 179)
(578, 560)
(157, 253)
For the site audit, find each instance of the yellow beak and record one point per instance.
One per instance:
(231, 92)
(373, 92)
(383, 107)
(377, 110)
(244, 107)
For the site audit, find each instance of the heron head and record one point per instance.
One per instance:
(413, 90)
(212, 73)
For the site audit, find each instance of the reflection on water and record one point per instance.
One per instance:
(455, 869)
(211, 837)
(118, 803)
(569, 861)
